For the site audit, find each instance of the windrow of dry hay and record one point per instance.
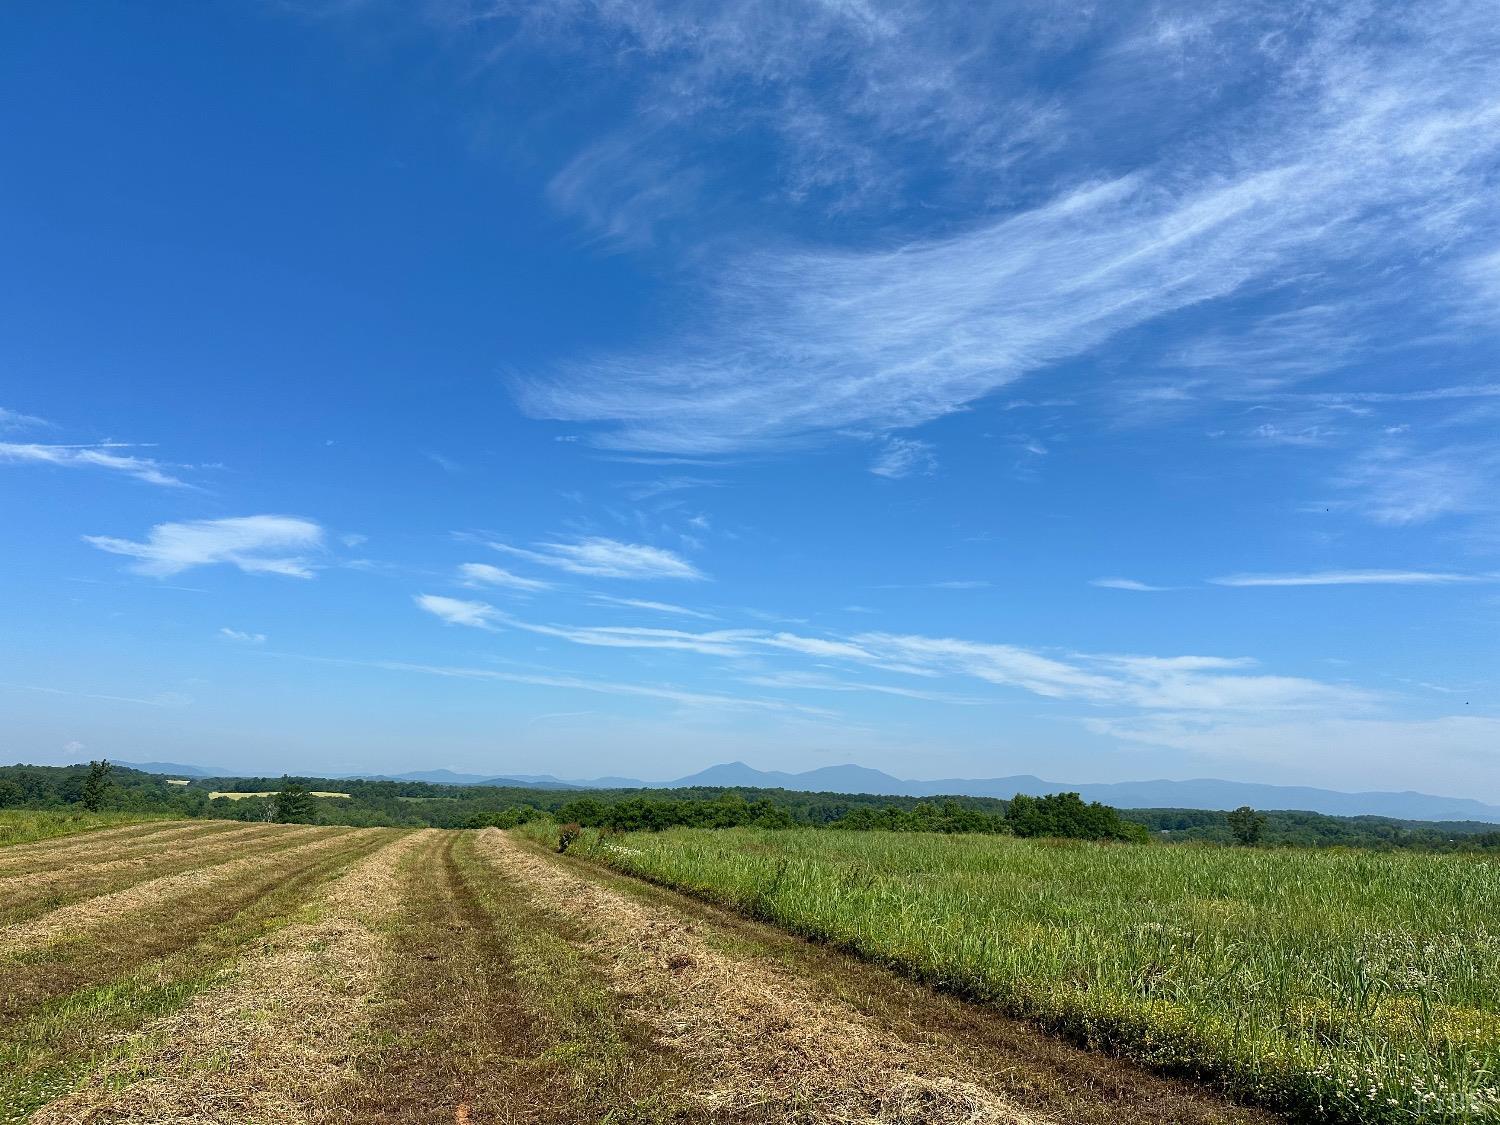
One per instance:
(774, 1043)
(180, 853)
(69, 922)
(79, 855)
(66, 849)
(278, 1038)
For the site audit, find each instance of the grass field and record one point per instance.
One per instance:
(21, 826)
(265, 974)
(1344, 987)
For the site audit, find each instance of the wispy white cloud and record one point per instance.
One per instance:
(664, 692)
(1455, 393)
(812, 681)
(1354, 578)
(1180, 683)
(1387, 151)
(836, 93)
(1397, 484)
(1307, 340)
(254, 544)
(15, 420)
(598, 557)
(1127, 584)
(456, 611)
(652, 607)
(1158, 683)
(483, 574)
(239, 636)
(903, 457)
(90, 457)
(725, 642)
(650, 489)
(161, 699)
(1273, 433)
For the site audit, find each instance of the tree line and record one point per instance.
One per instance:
(101, 785)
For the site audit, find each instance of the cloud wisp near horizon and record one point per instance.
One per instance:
(1096, 392)
(1176, 683)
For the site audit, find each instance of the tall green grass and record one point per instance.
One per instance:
(1346, 987)
(25, 826)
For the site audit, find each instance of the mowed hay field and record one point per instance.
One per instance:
(217, 971)
(1340, 987)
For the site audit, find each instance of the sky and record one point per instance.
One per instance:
(1101, 392)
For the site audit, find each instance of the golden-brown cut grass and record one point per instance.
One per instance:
(777, 1048)
(23, 895)
(79, 918)
(271, 1044)
(68, 848)
(72, 852)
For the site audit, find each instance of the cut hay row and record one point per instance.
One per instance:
(278, 1038)
(78, 919)
(449, 1032)
(89, 958)
(23, 895)
(490, 1013)
(69, 962)
(83, 853)
(772, 1043)
(107, 991)
(78, 843)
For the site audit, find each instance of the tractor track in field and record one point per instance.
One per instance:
(489, 1018)
(448, 1030)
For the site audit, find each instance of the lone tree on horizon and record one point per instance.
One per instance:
(293, 804)
(96, 785)
(1247, 825)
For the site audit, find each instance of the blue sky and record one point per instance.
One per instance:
(624, 387)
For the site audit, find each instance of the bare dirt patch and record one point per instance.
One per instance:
(774, 1047)
(273, 1043)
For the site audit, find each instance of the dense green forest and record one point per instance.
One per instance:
(423, 804)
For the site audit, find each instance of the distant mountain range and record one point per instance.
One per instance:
(1200, 793)
(448, 777)
(178, 769)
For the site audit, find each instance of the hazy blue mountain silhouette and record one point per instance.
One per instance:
(1199, 793)
(178, 769)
